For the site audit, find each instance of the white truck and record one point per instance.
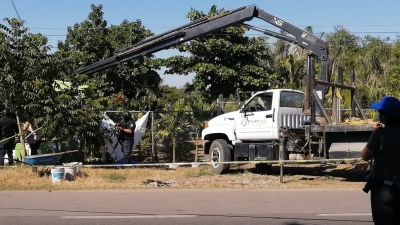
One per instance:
(275, 125)
(252, 132)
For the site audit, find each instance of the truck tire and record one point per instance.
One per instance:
(263, 167)
(220, 152)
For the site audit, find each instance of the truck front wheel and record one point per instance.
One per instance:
(219, 152)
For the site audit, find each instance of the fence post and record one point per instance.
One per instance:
(197, 147)
(282, 152)
(153, 150)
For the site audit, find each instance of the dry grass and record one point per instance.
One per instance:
(301, 176)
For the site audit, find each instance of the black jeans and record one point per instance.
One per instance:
(385, 204)
(35, 147)
(127, 146)
(6, 147)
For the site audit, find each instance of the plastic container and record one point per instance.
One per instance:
(57, 174)
(79, 168)
(75, 164)
(70, 172)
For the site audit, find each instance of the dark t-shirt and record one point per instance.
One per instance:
(130, 124)
(8, 128)
(387, 159)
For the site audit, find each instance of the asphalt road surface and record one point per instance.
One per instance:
(175, 207)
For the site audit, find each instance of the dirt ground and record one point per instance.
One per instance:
(295, 176)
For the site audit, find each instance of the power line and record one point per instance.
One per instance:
(16, 11)
(260, 34)
(353, 25)
(105, 46)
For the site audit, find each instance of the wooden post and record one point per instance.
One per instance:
(21, 139)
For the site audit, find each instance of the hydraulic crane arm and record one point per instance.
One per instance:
(207, 25)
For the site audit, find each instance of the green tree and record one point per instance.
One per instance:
(373, 66)
(26, 69)
(129, 85)
(171, 125)
(393, 77)
(93, 40)
(223, 61)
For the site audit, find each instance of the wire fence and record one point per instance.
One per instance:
(175, 136)
(170, 136)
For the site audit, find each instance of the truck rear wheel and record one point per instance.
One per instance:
(263, 167)
(219, 152)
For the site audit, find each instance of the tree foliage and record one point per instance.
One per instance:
(26, 68)
(93, 40)
(224, 61)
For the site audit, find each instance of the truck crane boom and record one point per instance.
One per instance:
(206, 25)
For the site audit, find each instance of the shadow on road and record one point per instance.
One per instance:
(347, 172)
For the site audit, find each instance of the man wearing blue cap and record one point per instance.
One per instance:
(384, 147)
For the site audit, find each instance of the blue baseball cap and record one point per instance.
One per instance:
(388, 104)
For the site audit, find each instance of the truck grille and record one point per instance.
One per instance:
(293, 120)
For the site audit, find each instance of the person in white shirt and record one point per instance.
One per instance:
(35, 135)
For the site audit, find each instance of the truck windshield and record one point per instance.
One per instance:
(261, 102)
(291, 99)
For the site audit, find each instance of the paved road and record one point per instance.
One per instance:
(175, 207)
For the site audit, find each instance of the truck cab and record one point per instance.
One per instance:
(252, 132)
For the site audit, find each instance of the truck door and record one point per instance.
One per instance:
(256, 119)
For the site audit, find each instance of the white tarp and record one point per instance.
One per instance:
(111, 140)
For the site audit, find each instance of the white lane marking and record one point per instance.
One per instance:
(346, 214)
(129, 217)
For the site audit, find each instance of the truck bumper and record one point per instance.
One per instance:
(256, 151)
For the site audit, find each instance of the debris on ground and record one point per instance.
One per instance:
(156, 183)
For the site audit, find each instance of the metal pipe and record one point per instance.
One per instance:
(153, 150)
(340, 75)
(333, 84)
(334, 105)
(311, 89)
(282, 148)
(363, 115)
(308, 85)
(352, 94)
(271, 33)
(339, 110)
(197, 147)
(319, 103)
(313, 116)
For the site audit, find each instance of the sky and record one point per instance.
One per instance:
(362, 17)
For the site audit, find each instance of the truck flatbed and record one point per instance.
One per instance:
(342, 127)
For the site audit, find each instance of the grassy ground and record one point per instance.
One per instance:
(296, 176)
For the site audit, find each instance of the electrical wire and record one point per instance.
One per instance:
(104, 46)
(16, 11)
(354, 25)
(251, 34)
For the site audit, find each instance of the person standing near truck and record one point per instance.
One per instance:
(384, 147)
(8, 130)
(34, 135)
(127, 135)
